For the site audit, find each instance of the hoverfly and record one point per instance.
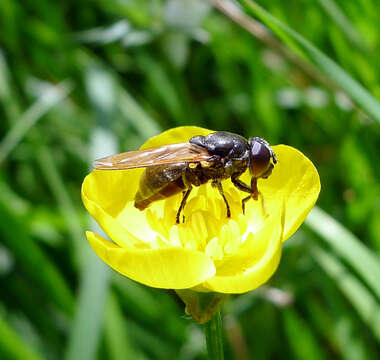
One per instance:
(175, 168)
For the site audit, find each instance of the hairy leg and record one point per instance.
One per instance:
(186, 194)
(218, 185)
(253, 190)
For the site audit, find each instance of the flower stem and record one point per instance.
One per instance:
(214, 337)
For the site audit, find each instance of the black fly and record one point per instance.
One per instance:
(175, 168)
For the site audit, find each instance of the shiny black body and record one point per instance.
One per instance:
(230, 156)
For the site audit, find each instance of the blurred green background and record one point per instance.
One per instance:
(82, 79)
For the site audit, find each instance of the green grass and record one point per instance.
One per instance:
(80, 80)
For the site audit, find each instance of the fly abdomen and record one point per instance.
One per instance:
(170, 189)
(158, 183)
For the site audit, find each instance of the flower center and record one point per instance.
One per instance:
(204, 224)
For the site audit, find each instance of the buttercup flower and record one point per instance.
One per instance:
(208, 252)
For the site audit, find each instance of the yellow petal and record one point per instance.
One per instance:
(102, 209)
(263, 262)
(167, 268)
(112, 189)
(299, 185)
(175, 135)
(294, 181)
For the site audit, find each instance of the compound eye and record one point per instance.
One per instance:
(259, 159)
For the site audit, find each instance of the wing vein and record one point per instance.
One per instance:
(163, 155)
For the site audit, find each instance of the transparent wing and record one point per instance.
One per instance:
(163, 155)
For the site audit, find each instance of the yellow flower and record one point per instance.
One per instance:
(208, 252)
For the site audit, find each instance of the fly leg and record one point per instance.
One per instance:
(244, 201)
(186, 194)
(263, 207)
(218, 185)
(255, 196)
(253, 190)
(242, 186)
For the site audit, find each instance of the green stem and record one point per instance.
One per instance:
(214, 337)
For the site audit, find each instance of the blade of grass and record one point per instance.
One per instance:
(95, 275)
(58, 190)
(153, 307)
(116, 332)
(336, 326)
(34, 308)
(362, 300)
(137, 298)
(354, 89)
(136, 115)
(10, 106)
(351, 346)
(15, 202)
(301, 337)
(151, 342)
(12, 347)
(88, 322)
(34, 262)
(129, 107)
(339, 17)
(164, 87)
(29, 118)
(262, 33)
(366, 263)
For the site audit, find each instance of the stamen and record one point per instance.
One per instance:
(199, 228)
(174, 237)
(234, 235)
(214, 249)
(206, 227)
